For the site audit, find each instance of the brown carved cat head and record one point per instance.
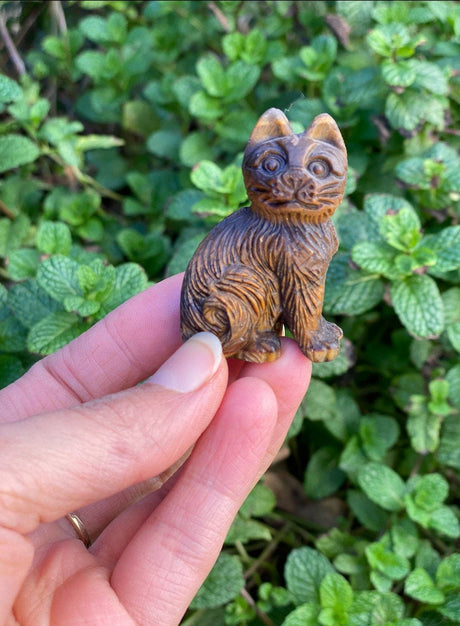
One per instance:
(288, 175)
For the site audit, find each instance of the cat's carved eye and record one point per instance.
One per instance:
(319, 168)
(272, 163)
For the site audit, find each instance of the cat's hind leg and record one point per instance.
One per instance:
(242, 308)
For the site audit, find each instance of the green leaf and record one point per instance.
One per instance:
(53, 238)
(418, 303)
(377, 258)
(11, 369)
(94, 64)
(451, 608)
(138, 117)
(378, 433)
(386, 562)
(350, 292)
(13, 233)
(353, 227)
(211, 208)
(388, 38)
(446, 245)
(245, 530)
(261, 501)
(398, 73)
(222, 585)
(335, 542)
(12, 332)
(58, 276)
(53, 332)
(80, 305)
(165, 143)
(23, 263)
(97, 142)
(420, 586)
(372, 607)
(116, 26)
(382, 485)
(30, 303)
(449, 447)
(404, 537)
(303, 615)
(179, 209)
(453, 332)
(336, 595)
(212, 75)
(205, 107)
(448, 573)
(196, 147)
(429, 76)
(429, 491)
(183, 253)
(412, 171)
(439, 392)
(130, 279)
(184, 88)
(379, 205)
(427, 557)
(453, 378)
(95, 28)
(368, 513)
(401, 229)
(404, 111)
(10, 91)
(323, 476)
(240, 80)
(233, 45)
(445, 522)
(352, 458)
(96, 279)
(304, 570)
(208, 176)
(423, 428)
(320, 401)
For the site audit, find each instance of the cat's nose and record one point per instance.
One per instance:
(294, 178)
(307, 192)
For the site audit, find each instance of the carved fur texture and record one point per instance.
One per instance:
(265, 266)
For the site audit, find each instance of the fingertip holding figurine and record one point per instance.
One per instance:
(265, 265)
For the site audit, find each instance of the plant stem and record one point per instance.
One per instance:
(6, 210)
(267, 552)
(260, 614)
(12, 50)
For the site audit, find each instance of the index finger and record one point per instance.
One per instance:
(125, 347)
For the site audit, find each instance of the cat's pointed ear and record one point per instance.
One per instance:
(324, 128)
(273, 123)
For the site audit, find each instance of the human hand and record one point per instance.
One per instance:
(77, 433)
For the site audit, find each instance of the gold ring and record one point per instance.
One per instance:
(79, 528)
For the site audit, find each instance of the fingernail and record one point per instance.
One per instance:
(192, 365)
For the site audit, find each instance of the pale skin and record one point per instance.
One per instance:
(78, 433)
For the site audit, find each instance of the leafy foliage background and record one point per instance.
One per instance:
(122, 126)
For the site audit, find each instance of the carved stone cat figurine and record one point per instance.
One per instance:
(265, 265)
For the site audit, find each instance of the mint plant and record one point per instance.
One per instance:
(122, 131)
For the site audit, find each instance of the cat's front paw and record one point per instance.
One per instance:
(264, 348)
(323, 344)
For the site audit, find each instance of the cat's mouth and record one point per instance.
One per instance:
(293, 203)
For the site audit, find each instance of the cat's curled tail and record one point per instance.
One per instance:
(240, 300)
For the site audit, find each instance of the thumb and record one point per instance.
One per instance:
(94, 450)
(191, 366)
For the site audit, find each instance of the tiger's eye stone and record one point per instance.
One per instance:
(264, 267)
